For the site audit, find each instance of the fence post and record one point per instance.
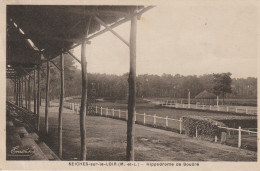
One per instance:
(166, 120)
(144, 118)
(181, 125)
(239, 136)
(73, 107)
(154, 119)
(96, 110)
(113, 111)
(101, 111)
(119, 113)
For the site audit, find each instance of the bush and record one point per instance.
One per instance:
(206, 128)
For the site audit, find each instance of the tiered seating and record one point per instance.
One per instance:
(20, 135)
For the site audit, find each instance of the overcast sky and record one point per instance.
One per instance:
(189, 40)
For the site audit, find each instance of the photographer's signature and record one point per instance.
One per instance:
(17, 150)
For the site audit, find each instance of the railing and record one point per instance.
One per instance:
(235, 109)
(239, 130)
(141, 118)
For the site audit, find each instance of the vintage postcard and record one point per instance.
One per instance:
(129, 85)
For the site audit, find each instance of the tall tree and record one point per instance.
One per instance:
(222, 84)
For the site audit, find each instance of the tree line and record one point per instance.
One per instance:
(147, 85)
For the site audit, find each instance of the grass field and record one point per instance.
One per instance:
(106, 140)
(248, 141)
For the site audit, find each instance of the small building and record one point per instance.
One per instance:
(206, 97)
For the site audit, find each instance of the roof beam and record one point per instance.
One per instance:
(55, 65)
(73, 56)
(116, 24)
(110, 29)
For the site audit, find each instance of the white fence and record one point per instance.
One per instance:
(235, 109)
(152, 120)
(142, 118)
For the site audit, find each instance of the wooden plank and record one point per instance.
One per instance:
(47, 98)
(61, 104)
(132, 92)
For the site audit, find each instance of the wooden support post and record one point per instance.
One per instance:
(83, 102)
(26, 93)
(47, 98)
(17, 92)
(21, 89)
(83, 110)
(132, 92)
(14, 98)
(34, 94)
(38, 98)
(61, 104)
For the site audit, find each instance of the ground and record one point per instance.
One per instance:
(106, 140)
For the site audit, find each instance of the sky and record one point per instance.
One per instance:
(183, 39)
